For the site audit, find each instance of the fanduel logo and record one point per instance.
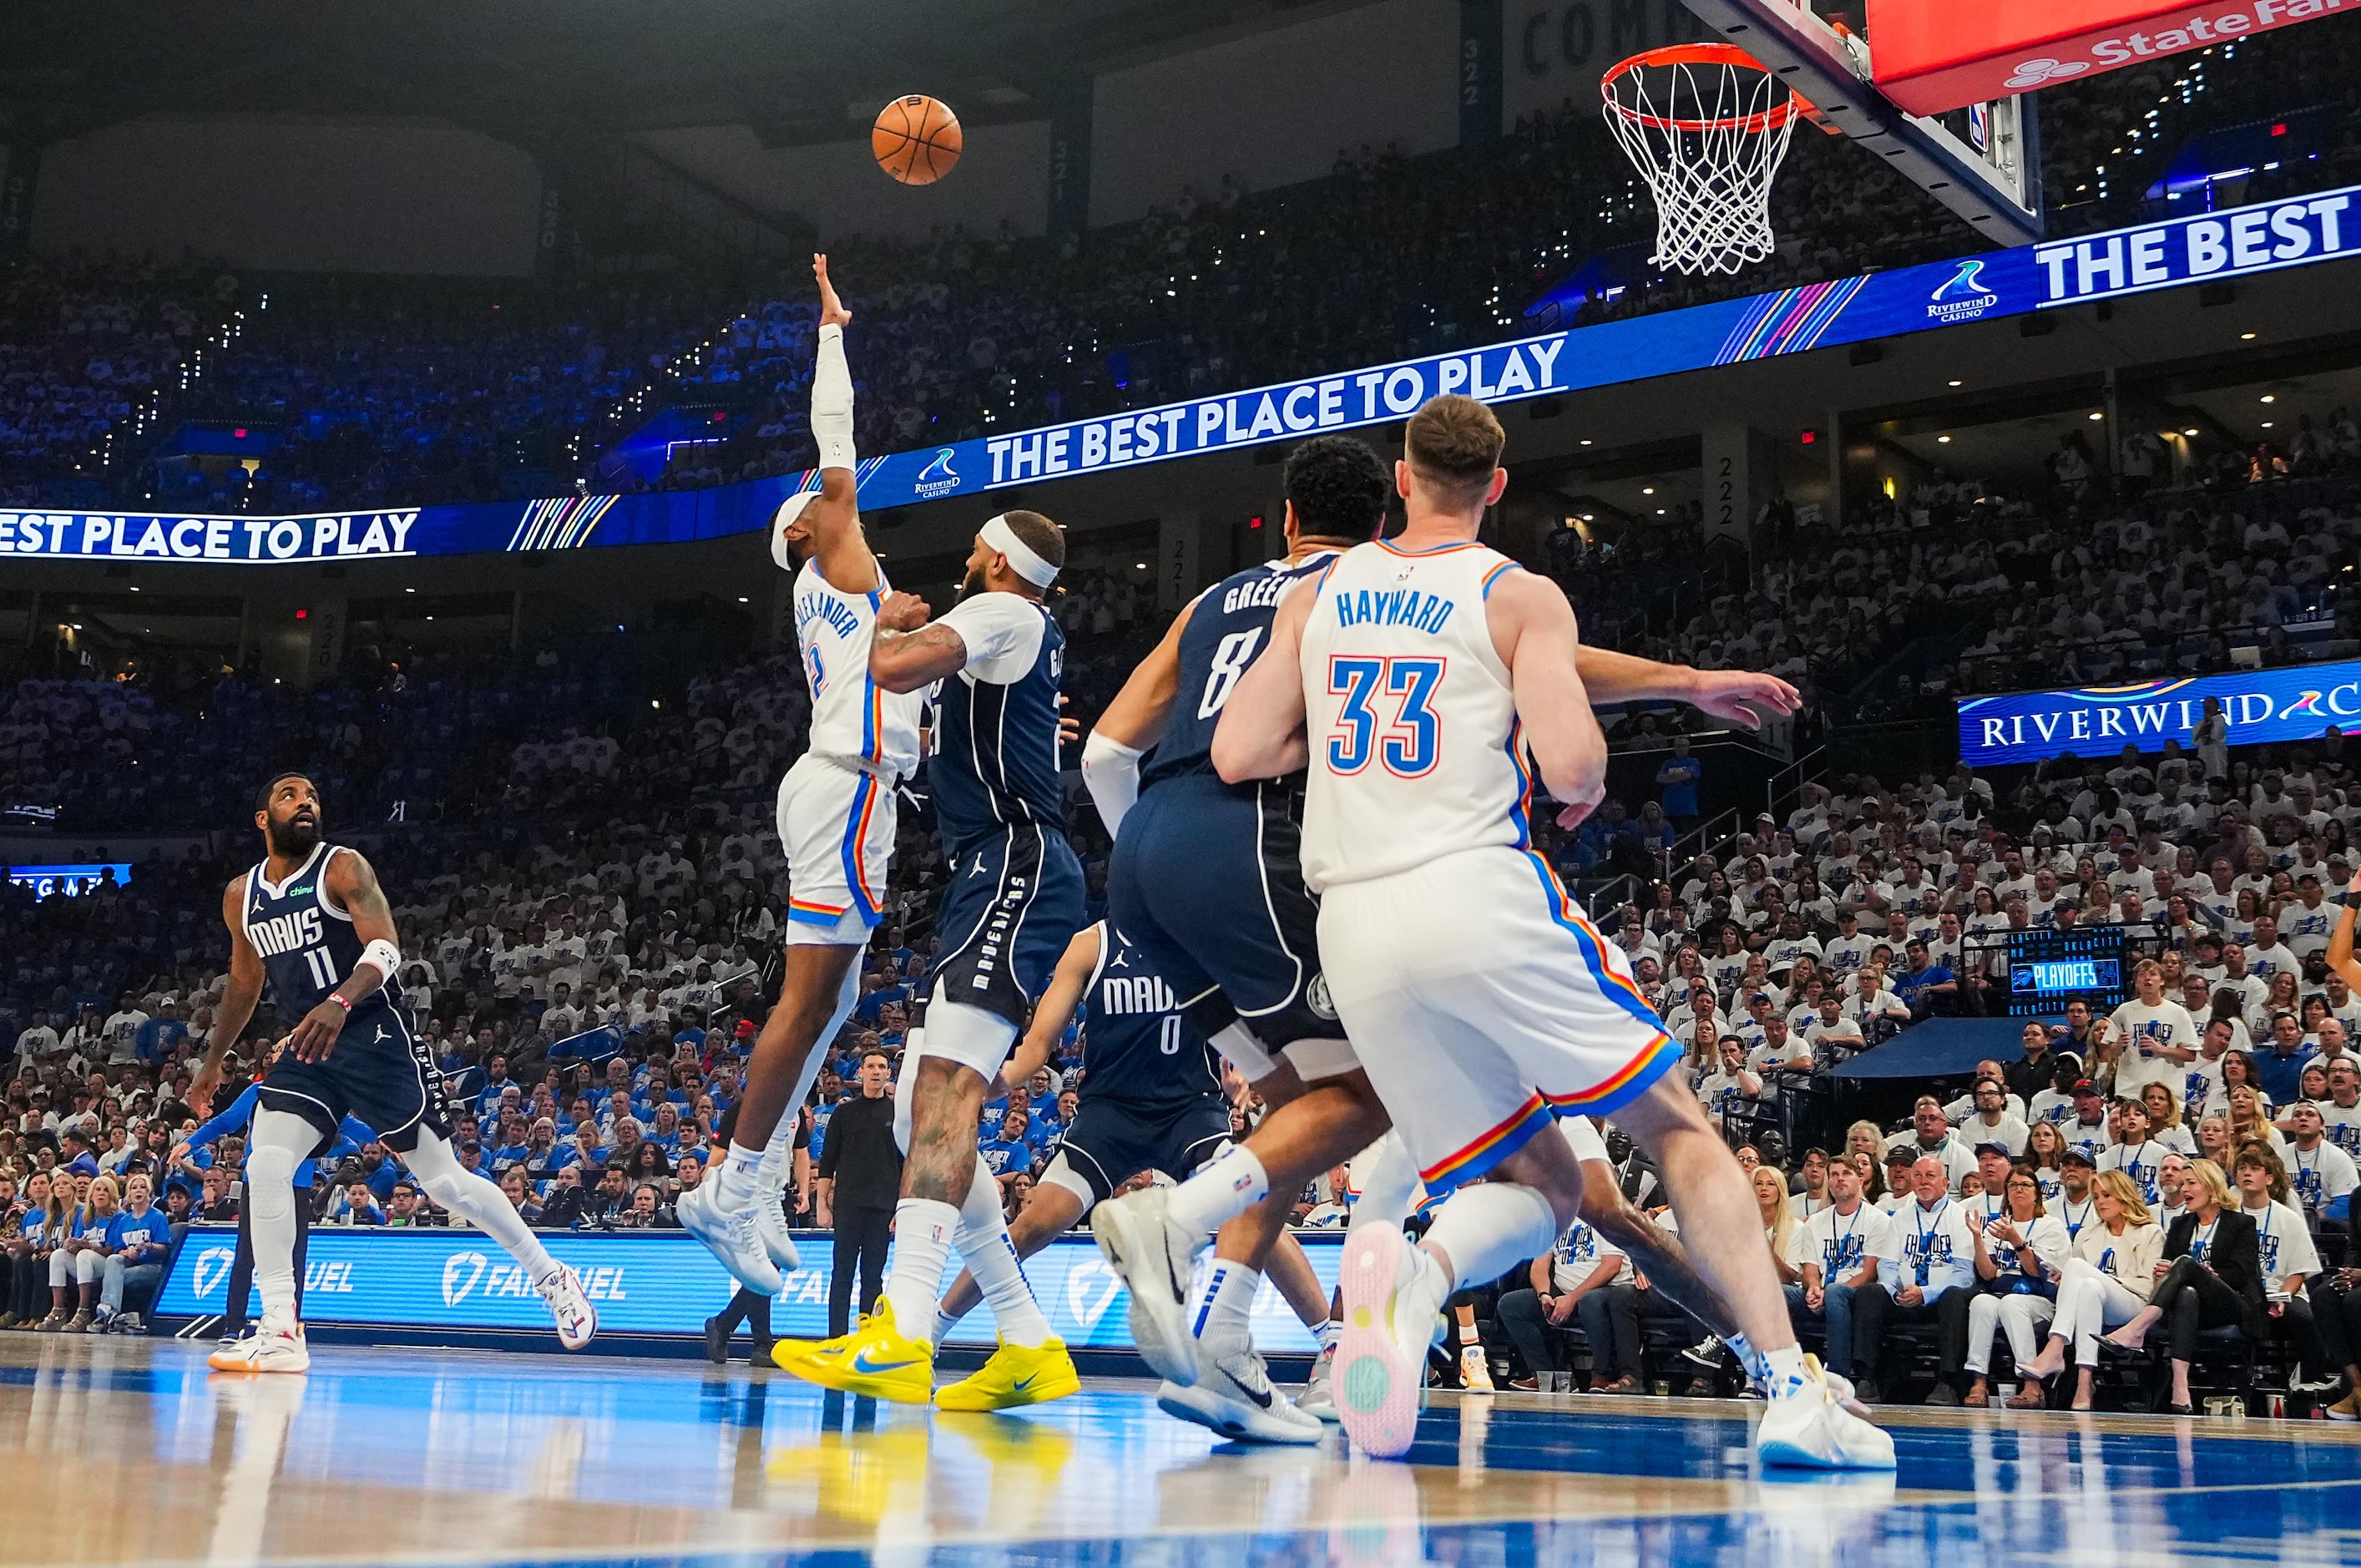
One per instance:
(1961, 296)
(1088, 1302)
(937, 479)
(462, 1272)
(212, 1268)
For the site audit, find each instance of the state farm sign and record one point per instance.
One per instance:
(1929, 57)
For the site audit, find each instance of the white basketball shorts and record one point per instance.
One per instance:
(837, 822)
(1484, 1006)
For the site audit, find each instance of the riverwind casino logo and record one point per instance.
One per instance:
(1964, 296)
(938, 479)
(2281, 705)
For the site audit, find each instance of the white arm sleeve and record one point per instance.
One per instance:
(1111, 772)
(831, 402)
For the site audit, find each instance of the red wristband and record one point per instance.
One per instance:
(341, 1003)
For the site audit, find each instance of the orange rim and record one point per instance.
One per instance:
(1700, 54)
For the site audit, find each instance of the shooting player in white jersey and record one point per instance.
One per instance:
(1413, 680)
(836, 819)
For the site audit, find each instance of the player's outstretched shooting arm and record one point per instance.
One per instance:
(834, 519)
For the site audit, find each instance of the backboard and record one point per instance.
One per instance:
(1982, 161)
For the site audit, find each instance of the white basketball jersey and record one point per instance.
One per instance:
(1415, 751)
(855, 720)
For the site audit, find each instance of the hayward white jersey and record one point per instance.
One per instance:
(1415, 748)
(855, 720)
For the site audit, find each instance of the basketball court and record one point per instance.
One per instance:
(129, 1452)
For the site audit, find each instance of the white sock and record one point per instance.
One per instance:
(992, 1258)
(1388, 1180)
(740, 1175)
(1486, 1228)
(1328, 1334)
(944, 1324)
(1468, 1334)
(779, 1154)
(923, 1228)
(1226, 1305)
(1222, 1191)
(1784, 1369)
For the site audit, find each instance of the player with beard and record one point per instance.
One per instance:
(836, 817)
(311, 922)
(1012, 903)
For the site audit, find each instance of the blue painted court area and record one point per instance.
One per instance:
(452, 1457)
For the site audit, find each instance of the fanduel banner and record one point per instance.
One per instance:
(2229, 243)
(2293, 704)
(661, 1282)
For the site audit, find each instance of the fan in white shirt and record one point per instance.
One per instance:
(2266, 955)
(1995, 1120)
(1733, 1088)
(2322, 1175)
(2149, 1037)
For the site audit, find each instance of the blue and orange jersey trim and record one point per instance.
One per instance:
(1479, 1155)
(1520, 811)
(809, 913)
(1393, 549)
(1495, 574)
(856, 837)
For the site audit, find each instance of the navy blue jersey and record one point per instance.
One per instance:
(995, 746)
(307, 943)
(1140, 1048)
(1230, 625)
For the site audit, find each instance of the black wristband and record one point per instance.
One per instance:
(2347, 900)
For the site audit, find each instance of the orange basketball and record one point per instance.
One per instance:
(916, 140)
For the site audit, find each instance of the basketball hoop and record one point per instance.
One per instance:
(1705, 126)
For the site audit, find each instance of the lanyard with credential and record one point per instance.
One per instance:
(2203, 1240)
(2074, 1222)
(1919, 1225)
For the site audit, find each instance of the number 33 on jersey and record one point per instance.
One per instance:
(1396, 650)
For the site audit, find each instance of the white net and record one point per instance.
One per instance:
(1706, 127)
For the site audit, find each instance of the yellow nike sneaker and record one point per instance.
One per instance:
(1014, 1376)
(876, 1359)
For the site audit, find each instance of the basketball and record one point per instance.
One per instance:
(916, 140)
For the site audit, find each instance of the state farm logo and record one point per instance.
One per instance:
(2036, 72)
(462, 1272)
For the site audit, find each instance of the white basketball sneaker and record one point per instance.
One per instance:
(1234, 1396)
(1153, 1257)
(733, 1236)
(1393, 1298)
(1806, 1426)
(771, 1224)
(276, 1345)
(576, 1320)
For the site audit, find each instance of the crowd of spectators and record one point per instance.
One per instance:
(418, 391)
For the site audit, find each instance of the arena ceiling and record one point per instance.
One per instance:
(531, 70)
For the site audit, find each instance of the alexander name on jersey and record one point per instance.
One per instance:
(829, 608)
(1392, 606)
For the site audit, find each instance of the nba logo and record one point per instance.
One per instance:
(1980, 127)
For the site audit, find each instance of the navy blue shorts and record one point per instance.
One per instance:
(1208, 880)
(378, 1074)
(1110, 1143)
(1012, 904)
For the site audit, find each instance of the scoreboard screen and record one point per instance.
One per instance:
(2049, 968)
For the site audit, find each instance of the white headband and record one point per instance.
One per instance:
(1021, 558)
(789, 511)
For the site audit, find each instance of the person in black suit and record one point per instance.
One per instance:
(2211, 1277)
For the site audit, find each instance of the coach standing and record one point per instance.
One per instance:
(860, 1181)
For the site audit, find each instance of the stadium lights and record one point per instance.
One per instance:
(1586, 440)
(2098, 416)
(1957, 383)
(2191, 431)
(2245, 337)
(742, 598)
(2270, 398)
(1647, 490)
(1944, 440)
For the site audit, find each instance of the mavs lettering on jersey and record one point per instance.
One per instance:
(1138, 1045)
(306, 943)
